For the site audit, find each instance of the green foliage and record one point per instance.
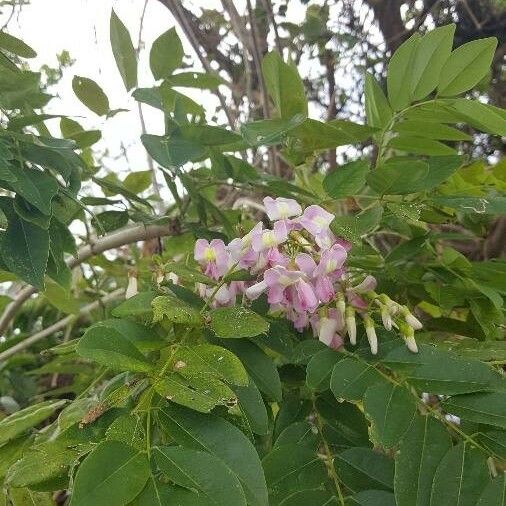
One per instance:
(124, 52)
(179, 399)
(91, 95)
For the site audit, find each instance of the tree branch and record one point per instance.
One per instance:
(116, 294)
(116, 239)
(182, 18)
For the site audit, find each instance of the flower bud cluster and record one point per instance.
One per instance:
(301, 267)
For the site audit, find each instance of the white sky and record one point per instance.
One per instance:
(82, 28)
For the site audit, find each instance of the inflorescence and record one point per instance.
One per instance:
(301, 266)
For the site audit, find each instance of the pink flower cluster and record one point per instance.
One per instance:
(300, 265)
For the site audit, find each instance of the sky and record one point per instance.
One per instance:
(82, 28)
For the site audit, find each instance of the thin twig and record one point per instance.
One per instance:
(175, 7)
(272, 20)
(151, 165)
(60, 324)
(139, 232)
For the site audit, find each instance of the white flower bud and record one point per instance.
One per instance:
(411, 344)
(371, 334)
(413, 321)
(410, 319)
(132, 285)
(351, 325)
(408, 334)
(386, 318)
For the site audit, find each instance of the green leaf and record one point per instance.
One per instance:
(460, 477)
(346, 180)
(112, 475)
(124, 52)
(391, 409)
(284, 85)
(420, 145)
(495, 442)
(292, 467)
(374, 498)
(166, 54)
(24, 496)
(260, 367)
(308, 497)
(198, 392)
(208, 135)
(208, 359)
(313, 135)
(36, 187)
(377, 108)
(20, 421)
(142, 337)
(363, 469)
(158, 493)
(109, 347)
(480, 116)
(16, 46)
(301, 433)
(319, 369)
(351, 378)
(45, 461)
(489, 408)
(269, 132)
(467, 66)
(189, 274)
(128, 429)
(494, 493)
(207, 433)
(172, 151)
(236, 322)
(420, 452)
(91, 95)
(430, 130)
(138, 305)
(353, 227)
(207, 81)
(166, 307)
(344, 424)
(196, 470)
(440, 169)
(400, 69)
(25, 248)
(10, 452)
(61, 298)
(440, 372)
(110, 220)
(474, 205)
(431, 54)
(398, 176)
(137, 182)
(252, 407)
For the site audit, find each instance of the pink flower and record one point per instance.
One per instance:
(325, 239)
(306, 264)
(278, 279)
(344, 243)
(324, 289)
(263, 240)
(316, 220)
(369, 283)
(331, 261)
(327, 329)
(281, 208)
(212, 257)
(301, 295)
